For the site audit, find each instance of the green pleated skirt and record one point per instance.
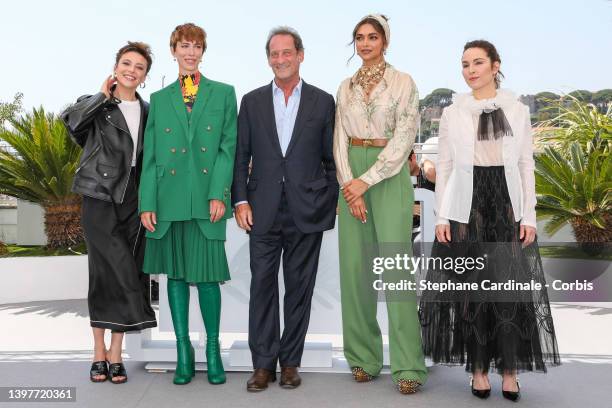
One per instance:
(185, 253)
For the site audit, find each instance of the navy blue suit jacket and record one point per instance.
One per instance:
(307, 171)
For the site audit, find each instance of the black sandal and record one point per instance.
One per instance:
(98, 368)
(117, 370)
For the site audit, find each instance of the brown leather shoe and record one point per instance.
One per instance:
(290, 377)
(260, 379)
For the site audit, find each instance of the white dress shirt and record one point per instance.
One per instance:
(285, 114)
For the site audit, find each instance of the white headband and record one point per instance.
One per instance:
(383, 22)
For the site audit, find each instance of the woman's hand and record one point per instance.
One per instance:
(527, 235)
(149, 220)
(443, 233)
(107, 84)
(217, 209)
(353, 190)
(358, 210)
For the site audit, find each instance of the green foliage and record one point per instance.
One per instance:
(546, 95)
(42, 164)
(582, 95)
(16, 251)
(602, 99)
(574, 188)
(438, 97)
(571, 252)
(577, 121)
(8, 110)
(542, 101)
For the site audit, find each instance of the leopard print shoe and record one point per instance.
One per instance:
(408, 386)
(360, 375)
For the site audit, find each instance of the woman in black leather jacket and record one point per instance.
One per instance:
(109, 126)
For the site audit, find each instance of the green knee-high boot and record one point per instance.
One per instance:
(210, 306)
(178, 298)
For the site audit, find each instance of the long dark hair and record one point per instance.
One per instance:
(491, 53)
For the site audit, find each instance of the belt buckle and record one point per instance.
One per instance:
(367, 142)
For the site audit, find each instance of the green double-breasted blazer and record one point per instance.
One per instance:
(189, 157)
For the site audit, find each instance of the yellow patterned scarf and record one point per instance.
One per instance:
(189, 86)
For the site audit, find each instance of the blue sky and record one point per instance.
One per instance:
(54, 51)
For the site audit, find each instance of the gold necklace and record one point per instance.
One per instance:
(368, 77)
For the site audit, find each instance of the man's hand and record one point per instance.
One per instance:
(149, 220)
(244, 216)
(217, 209)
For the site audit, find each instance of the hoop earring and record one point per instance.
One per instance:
(143, 85)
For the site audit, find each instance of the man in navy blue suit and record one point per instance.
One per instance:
(285, 194)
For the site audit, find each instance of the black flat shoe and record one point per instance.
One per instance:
(482, 394)
(98, 368)
(513, 396)
(117, 370)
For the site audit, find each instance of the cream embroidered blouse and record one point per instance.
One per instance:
(392, 112)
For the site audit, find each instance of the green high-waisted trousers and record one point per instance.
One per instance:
(389, 226)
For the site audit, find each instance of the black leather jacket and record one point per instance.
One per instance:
(98, 126)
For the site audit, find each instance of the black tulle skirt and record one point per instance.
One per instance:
(504, 331)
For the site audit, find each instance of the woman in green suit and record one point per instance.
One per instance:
(189, 147)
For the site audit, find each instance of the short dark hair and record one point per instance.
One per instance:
(285, 30)
(492, 53)
(139, 47)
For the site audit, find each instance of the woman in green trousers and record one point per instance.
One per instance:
(189, 147)
(376, 121)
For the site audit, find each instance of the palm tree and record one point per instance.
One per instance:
(577, 121)
(38, 166)
(576, 190)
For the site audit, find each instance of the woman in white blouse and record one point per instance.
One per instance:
(376, 123)
(485, 207)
